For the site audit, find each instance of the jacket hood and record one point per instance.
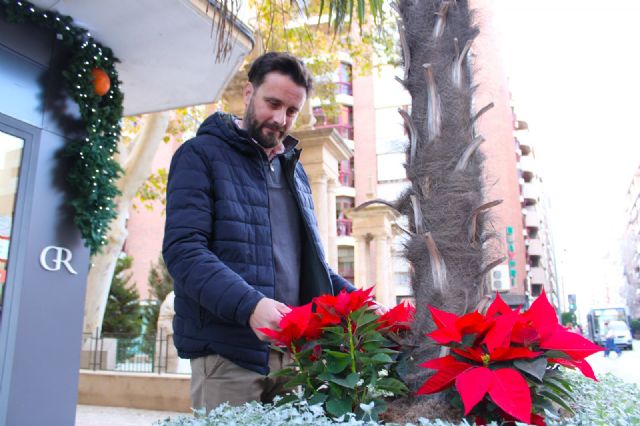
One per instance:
(223, 126)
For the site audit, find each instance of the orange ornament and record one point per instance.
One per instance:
(101, 81)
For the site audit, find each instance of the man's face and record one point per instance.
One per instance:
(272, 108)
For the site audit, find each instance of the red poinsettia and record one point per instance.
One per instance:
(333, 308)
(504, 355)
(397, 318)
(300, 323)
(451, 328)
(344, 354)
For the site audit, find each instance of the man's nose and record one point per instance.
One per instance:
(280, 117)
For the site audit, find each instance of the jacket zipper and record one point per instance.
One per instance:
(265, 161)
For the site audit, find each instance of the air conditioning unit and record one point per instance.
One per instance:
(500, 280)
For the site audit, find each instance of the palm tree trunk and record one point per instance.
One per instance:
(445, 201)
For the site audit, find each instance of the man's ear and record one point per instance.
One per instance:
(247, 92)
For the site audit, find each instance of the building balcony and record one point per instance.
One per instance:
(531, 218)
(537, 276)
(345, 191)
(527, 166)
(346, 241)
(344, 88)
(530, 194)
(520, 125)
(525, 146)
(534, 247)
(346, 177)
(345, 227)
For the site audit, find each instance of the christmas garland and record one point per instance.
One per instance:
(92, 82)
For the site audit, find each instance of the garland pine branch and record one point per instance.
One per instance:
(94, 171)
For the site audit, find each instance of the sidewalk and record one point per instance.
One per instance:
(94, 415)
(625, 367)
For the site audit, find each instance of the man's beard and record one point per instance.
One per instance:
(269, 140)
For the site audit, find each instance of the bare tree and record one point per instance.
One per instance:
(136, 162)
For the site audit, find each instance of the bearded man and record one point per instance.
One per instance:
(241, 239)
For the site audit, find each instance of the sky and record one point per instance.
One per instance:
(574, 70)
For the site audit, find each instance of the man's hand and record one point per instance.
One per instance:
(267, 314)
(378, 308)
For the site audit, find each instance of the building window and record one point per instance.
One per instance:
(345, 79)
(10, 159)
(345, 263)
(341, 120)
(344, 122)
(346, 172)
(344, 224)
(536, 290)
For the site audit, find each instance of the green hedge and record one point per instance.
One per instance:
(607, 402)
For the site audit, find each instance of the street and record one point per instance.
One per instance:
(627, 367)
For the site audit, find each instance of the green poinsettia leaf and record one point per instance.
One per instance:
(560, 381)
(318, 398)
(298, 380)
(392, 385)
(556, 354)
(326, 377)
(335, 330)
(283, 373)
(315, 368)
(348, 382)
(376, 348)
(374, 337)
(366, 317)
(337, 354)
(305, 353)
(372, 347)
(338, 407)
(287, 399)
(380, 407)
(542, 403)
(558, 400)
(536, 368)
(381, 358)
(558, 390)
(369, 328)
(337, 365)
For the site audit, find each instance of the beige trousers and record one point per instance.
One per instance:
(215, 379)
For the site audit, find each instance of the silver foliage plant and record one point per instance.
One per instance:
(607, 402)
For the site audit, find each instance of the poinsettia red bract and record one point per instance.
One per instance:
(333, 308)
(300, 322)
(494, 354)
(397, 318)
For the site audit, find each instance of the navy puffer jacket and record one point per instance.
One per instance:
(217, 243)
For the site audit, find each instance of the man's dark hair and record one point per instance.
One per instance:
(282, 63)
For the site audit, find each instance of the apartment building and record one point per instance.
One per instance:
(537, 230)
(631, 247)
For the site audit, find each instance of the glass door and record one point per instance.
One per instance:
(11, 148)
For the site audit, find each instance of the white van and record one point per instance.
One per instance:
(622, 337)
